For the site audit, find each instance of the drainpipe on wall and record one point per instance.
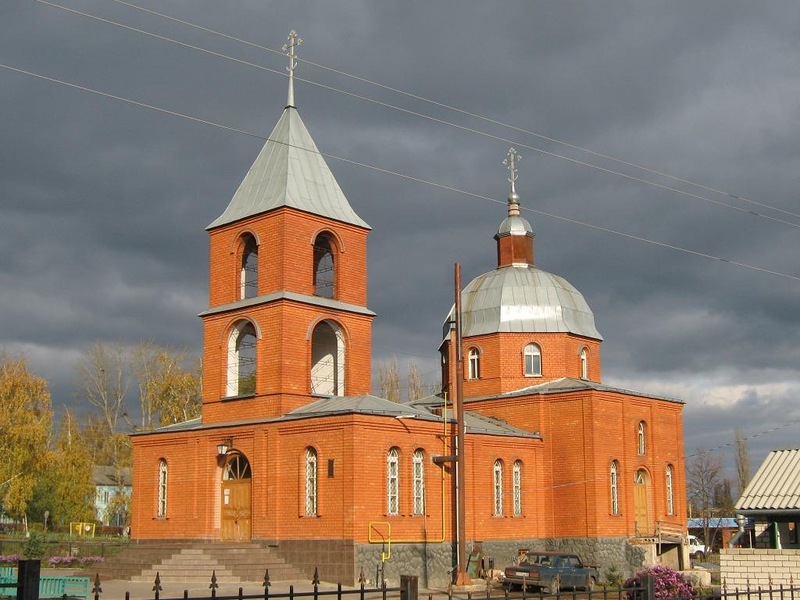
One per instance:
(740, 521)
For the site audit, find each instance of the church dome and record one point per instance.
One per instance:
(524, 299)
(515, 226)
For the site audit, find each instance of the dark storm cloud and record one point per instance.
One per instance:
(105, 204)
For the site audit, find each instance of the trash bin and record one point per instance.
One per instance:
(409, 587)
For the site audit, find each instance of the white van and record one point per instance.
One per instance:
(697, 549)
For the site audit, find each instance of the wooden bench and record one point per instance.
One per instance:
(50, 586)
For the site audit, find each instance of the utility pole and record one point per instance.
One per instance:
(462, 577)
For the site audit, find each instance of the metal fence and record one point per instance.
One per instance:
(27, 587)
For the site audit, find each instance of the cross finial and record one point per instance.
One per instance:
(288, 49)
(511, 162)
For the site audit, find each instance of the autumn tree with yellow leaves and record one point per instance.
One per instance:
(26, 418)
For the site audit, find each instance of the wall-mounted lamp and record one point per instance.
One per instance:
(224, 446)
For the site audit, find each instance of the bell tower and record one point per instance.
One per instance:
(287, 321)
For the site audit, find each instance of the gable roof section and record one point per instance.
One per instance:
(103, 475)
(363, 405)
(776, 484)
(367, 405)
(289, 171)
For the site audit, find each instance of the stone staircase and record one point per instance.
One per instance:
(196, 561)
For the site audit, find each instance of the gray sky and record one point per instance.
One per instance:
(105, 204)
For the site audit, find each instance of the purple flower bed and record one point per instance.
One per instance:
(73, 561)
(669, 584)
(10, 559)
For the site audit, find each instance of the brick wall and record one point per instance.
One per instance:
(755, 567)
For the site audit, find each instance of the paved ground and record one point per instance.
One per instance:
(116, 590)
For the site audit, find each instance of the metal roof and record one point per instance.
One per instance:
(515, 225)
(289, 171)
(286, 295)
(366, 404)
(111, 476)
(776, 484)
(524, 299)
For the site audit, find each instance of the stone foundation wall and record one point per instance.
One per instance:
(757, 567)
(433, 563)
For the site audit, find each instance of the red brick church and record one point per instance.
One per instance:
(293, 451)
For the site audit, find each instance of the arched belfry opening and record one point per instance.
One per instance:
(327, 359)
(248, 272)
(324, 266)
(236, 488)
(241, 371)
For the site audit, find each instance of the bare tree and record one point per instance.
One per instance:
(704, 478)
(103, 378)
(389, 380)
(742, 461)
(144, 364)
(416, 387)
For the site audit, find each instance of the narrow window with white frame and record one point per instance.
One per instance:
(533, 360)
(419, 481)
(392, 482)
(163, 473)
(498, 488)
(614, 481)
(311, 482)
(584, 364)
(641, 435)
(517, 483)
(474, 364)
(670, 495)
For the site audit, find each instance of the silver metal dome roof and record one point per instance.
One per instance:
(524, 299)
(515, 226)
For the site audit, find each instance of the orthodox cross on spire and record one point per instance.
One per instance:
(288, 49)
(511, 162)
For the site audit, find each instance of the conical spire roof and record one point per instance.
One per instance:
(289, 171)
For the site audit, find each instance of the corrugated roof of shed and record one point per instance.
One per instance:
(776, 484)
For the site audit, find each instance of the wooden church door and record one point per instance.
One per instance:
(641, 503)
(236, 499)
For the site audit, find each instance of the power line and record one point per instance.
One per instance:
(405, 176)
(462, 111)
(435, 119)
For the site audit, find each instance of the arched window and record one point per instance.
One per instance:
(238, 467)
(161, 510)
(533, 361)
(498, 488)
(311, 482)
(670, 495)
(327, 359)
(324, 266)
(419, 481)
(474, 364)
(584, 364)
(248, 274)
(517, 481)
(392, 482)
(614, 480)
(641, 436)
(241, 360)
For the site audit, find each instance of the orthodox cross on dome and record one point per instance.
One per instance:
(513, 158)
(511, 162)
(288, 49)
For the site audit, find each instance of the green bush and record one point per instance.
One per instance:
(34, 546)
